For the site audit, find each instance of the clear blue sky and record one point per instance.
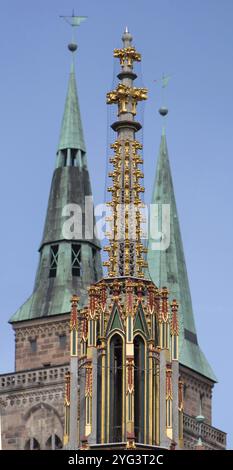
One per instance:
(191, 40)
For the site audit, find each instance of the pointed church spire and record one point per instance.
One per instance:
(168, 267)
(71, 135)
(69, 262)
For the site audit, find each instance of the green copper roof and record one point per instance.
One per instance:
(71, 135)
(70, 185)
(57, 304)
(168, 268)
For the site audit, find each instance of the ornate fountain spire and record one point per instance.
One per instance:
(125, 248)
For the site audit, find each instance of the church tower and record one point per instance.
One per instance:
(69, 261)
(124, 368)
(130, 392)
(69, 252)
(166, 266)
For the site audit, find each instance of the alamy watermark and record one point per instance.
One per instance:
(89, 221)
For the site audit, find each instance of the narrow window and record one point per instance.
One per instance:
(76, 260)
(53, 260)
(73, 156)
(62, 341)
(53, 443)
(201, 395)
(139, 384)
(33, 345)
(116, 388)
(64, 157)
(32, 444)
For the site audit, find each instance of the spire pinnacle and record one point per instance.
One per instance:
(163, 110)
(71, 135)
(127, 38)
(126, 249)
(74, 21)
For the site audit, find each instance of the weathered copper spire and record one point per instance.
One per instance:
(125, 248)
(168, 267)
(68, 262)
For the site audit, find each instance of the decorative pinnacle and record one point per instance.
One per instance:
(74, 299)
(125, 250)
(174, 319)
(127, 37)
(74, 313)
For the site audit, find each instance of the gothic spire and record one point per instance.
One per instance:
(71, 135)
(69, 259)
(125, 248)
(168, 268)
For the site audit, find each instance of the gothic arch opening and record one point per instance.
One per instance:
(32, 444)
(116, 388)
(53, 443)
(42, 421)
(139, 387)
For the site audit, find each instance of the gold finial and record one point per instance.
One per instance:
(125, 250)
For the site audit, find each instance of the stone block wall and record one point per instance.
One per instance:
(42, 342)
(32, 409)
(197, 391)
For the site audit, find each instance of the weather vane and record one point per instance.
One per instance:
(74, 21)
(163, 111)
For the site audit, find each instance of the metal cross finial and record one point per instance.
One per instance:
(74, 20)
(164, 80)
(163, 111)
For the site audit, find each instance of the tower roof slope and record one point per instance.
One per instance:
(71, 135)
(70, 185)
(168, 267)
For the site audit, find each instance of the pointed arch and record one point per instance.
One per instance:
(42, 418)
(116, 387)
(115, 322)
(140, 324)
(53, 442)
(32, 444)
(37, 407)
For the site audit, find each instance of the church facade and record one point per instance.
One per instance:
(108, 360)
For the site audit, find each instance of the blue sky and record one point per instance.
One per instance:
(191, 40)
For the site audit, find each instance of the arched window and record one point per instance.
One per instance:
(53, 442)
(116, 389)
(32, 444)
(139, 387)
